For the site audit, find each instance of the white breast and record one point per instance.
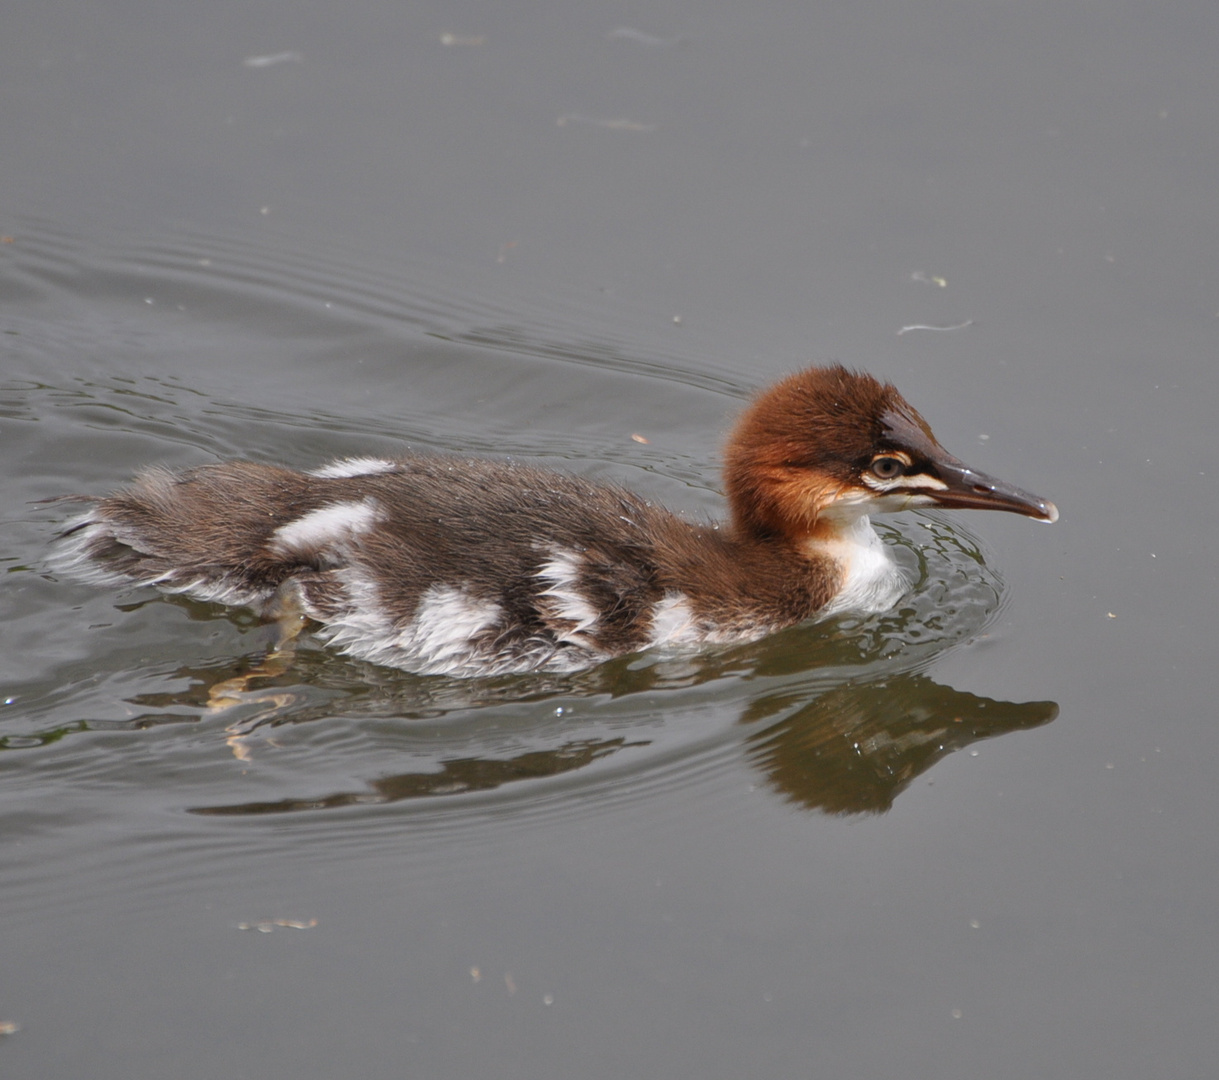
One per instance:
(874, 582)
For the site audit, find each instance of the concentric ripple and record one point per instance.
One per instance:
(198, 349)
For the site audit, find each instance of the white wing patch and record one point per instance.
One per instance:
(440, 638)
(567, 603)
(673, 621)
(362, 628)
(354, 466)
(327, 527)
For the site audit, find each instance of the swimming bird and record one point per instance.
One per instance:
(467, 567)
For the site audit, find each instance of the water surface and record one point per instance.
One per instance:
(973, 837)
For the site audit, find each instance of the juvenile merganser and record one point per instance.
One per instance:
(445, 565)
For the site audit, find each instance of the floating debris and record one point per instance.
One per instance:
(272, 59)
(650, 41)
(615, 125)
(941, 329)
(267, 925)
(462, 39)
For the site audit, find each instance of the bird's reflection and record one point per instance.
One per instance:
(849, 749)
(457, 776)
(855, 748)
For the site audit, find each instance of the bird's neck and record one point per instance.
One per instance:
(871, 581)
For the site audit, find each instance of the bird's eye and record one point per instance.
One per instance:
(887, 468)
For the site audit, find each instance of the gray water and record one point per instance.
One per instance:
(973, 837)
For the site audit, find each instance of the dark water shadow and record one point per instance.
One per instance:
(857, 747)
(851, 750)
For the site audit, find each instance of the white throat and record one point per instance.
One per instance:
(873, 581)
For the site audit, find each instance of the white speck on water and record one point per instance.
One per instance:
(272, 59)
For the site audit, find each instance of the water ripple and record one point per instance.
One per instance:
(192, 349)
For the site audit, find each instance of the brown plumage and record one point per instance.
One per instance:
(456, 566)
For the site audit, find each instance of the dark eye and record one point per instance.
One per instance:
(886, 468)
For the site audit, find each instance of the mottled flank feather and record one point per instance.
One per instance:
(439, 565)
